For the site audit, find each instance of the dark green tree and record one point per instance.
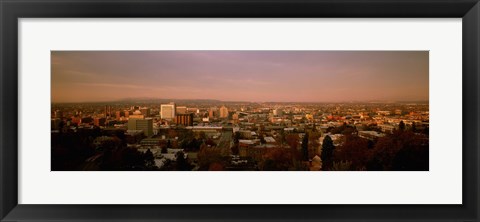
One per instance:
(305, 147)
(262, 140)
(149, 160)
(236, 137)
(202, 135)
(130, 159)
(235, 149)
(193, 145)
(426, 131)
(281, 137)
(181, 162)
(327, 153)
(401, 126)
(370, 144)
(414, 127)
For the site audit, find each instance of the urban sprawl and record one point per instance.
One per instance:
(200, 135)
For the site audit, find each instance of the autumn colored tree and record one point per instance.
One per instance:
(216, 167)
(348, 131)
(202, 135)
(210, 142)
(281, 137)
(276, 159)
(355, 151)
(123, 159)
(414, 153)
(313, 143)
(402, 150)
(292, 140)
(342, 166)
(172, 133)
(384, 151)
(262, 128)
(208, 156)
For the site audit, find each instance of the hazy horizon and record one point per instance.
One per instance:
(243, 76)
(128, 100)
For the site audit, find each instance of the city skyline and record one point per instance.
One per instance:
(250, 76)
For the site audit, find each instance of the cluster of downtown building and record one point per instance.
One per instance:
(260, 125)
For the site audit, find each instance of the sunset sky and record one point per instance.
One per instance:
(257, 76)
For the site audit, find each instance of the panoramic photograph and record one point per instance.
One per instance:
(234, 110)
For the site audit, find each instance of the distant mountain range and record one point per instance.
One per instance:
(194, 101)
(144, 99)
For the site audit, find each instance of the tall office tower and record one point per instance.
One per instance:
(118, 115)
(146, 125)
(181, 110)
(213, 112)
(127, 113)
(184, 119)
(167, 111)
(106, 111)
(223, 112)
(145, 111)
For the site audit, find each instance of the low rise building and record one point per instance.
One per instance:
(370, 135)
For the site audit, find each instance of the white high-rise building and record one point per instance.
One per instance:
(167, 111)
(223, 112)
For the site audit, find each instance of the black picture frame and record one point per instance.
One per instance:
(11, 11)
